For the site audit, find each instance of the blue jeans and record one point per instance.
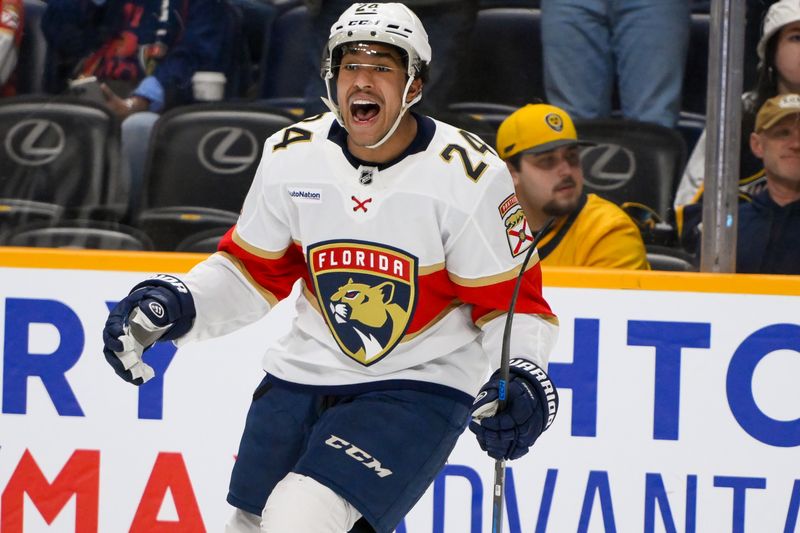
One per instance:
(136, 130)
(586, 43)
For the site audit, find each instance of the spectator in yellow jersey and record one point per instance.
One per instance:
(541, 148)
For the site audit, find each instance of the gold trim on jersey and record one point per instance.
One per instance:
(311, 299)
(258, 252)
(267, 295)
(430, 269)
(497, 278)
(443, 313)
(488, 317)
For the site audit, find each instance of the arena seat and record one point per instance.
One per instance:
(202, 242)
(691, 126)
(695, 77)
(493, 113)
(632, 162)
(239, 71)
(509, 3)
(670, 259)
(201, 162)
(33, 50)
(284, 68)
(256, 23)
(59, 157)
(487, 115)
(84, 234)
(505, 59)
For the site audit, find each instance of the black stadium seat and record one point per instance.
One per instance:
(695, 78)
(83, 234)
(691, 126)
(487, 115)
(632, 162)
(504, 59)
(202, 242)
(284, 68)
(201, 162)
(669, 258)
(59, 156)
(489, 111)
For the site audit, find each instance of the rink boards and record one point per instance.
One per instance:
(680, 409)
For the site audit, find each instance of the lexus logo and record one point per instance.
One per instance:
(608, 166)
(34, 142)
(227, 150)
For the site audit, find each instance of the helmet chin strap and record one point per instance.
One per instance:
(338, 114)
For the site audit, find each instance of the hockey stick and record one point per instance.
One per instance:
(500, 464)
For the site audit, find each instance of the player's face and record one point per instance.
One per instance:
(779, 148)
(550, 183)
(787, 58)
(369, 90)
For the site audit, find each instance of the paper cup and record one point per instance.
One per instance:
(208, 86)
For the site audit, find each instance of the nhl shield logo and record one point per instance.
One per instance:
(367, 294)
(517, 231)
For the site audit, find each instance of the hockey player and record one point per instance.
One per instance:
(403, 233)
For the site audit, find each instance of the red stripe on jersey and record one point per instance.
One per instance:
(435, 292)
(497, 296)
(275, 275)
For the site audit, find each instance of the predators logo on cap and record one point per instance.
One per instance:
(367, 294)
(554, 121)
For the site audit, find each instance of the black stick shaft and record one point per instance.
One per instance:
(500, 464)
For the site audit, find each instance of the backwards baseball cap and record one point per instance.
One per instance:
(775, 109)
(779, 15)
(536, 128)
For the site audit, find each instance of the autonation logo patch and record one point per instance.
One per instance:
(308, 196)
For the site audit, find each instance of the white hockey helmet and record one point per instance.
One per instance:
(388, 23)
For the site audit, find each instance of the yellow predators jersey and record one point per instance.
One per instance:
(599, 234)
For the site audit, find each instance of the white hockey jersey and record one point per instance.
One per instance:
(407, 268)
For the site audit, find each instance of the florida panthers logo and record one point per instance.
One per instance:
(367, 294)
(517, 232)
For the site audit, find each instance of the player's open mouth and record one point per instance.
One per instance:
(364, 111)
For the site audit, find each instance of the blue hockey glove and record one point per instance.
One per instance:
(160, 308)
(531, 406)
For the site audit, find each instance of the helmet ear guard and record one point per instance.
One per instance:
(391, 24)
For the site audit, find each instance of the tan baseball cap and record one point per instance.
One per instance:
(775, 109)
(536, 128)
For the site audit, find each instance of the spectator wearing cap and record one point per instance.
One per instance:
(778, 72)
(541, 149)
(768, 233)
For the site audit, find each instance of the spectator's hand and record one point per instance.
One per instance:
(531, 406)
(124, 107)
